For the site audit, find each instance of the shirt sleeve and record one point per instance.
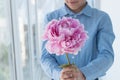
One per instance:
(105, 58)
(48, 62)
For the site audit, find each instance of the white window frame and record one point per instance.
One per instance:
(16, 71)
(15, 55)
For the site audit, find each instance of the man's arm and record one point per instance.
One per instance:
(105, 58)
(49, 64)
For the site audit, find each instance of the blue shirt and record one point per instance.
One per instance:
(96, 57)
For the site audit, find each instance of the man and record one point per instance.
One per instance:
(96, 57)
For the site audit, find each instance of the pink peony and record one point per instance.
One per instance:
(66, 35)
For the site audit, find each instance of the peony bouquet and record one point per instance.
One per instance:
(65, 36)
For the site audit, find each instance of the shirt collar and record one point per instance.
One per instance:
(87, 10)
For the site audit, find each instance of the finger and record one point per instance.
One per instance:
(67, 78)
(66, 71)
(70, 68)
(67, 74)
(70, 79)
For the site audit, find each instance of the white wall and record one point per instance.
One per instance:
(112, 8)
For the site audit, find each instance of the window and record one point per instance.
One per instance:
(21, 24)
(4, 43)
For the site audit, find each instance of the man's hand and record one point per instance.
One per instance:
(71, 73)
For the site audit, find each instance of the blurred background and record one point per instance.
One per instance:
(21, 28)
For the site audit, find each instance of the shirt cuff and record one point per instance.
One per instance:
(89, 74)
(56, 74)
(85, 73)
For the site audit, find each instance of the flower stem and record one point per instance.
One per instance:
(67, 58)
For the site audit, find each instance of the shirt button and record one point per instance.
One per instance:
(75, 16)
